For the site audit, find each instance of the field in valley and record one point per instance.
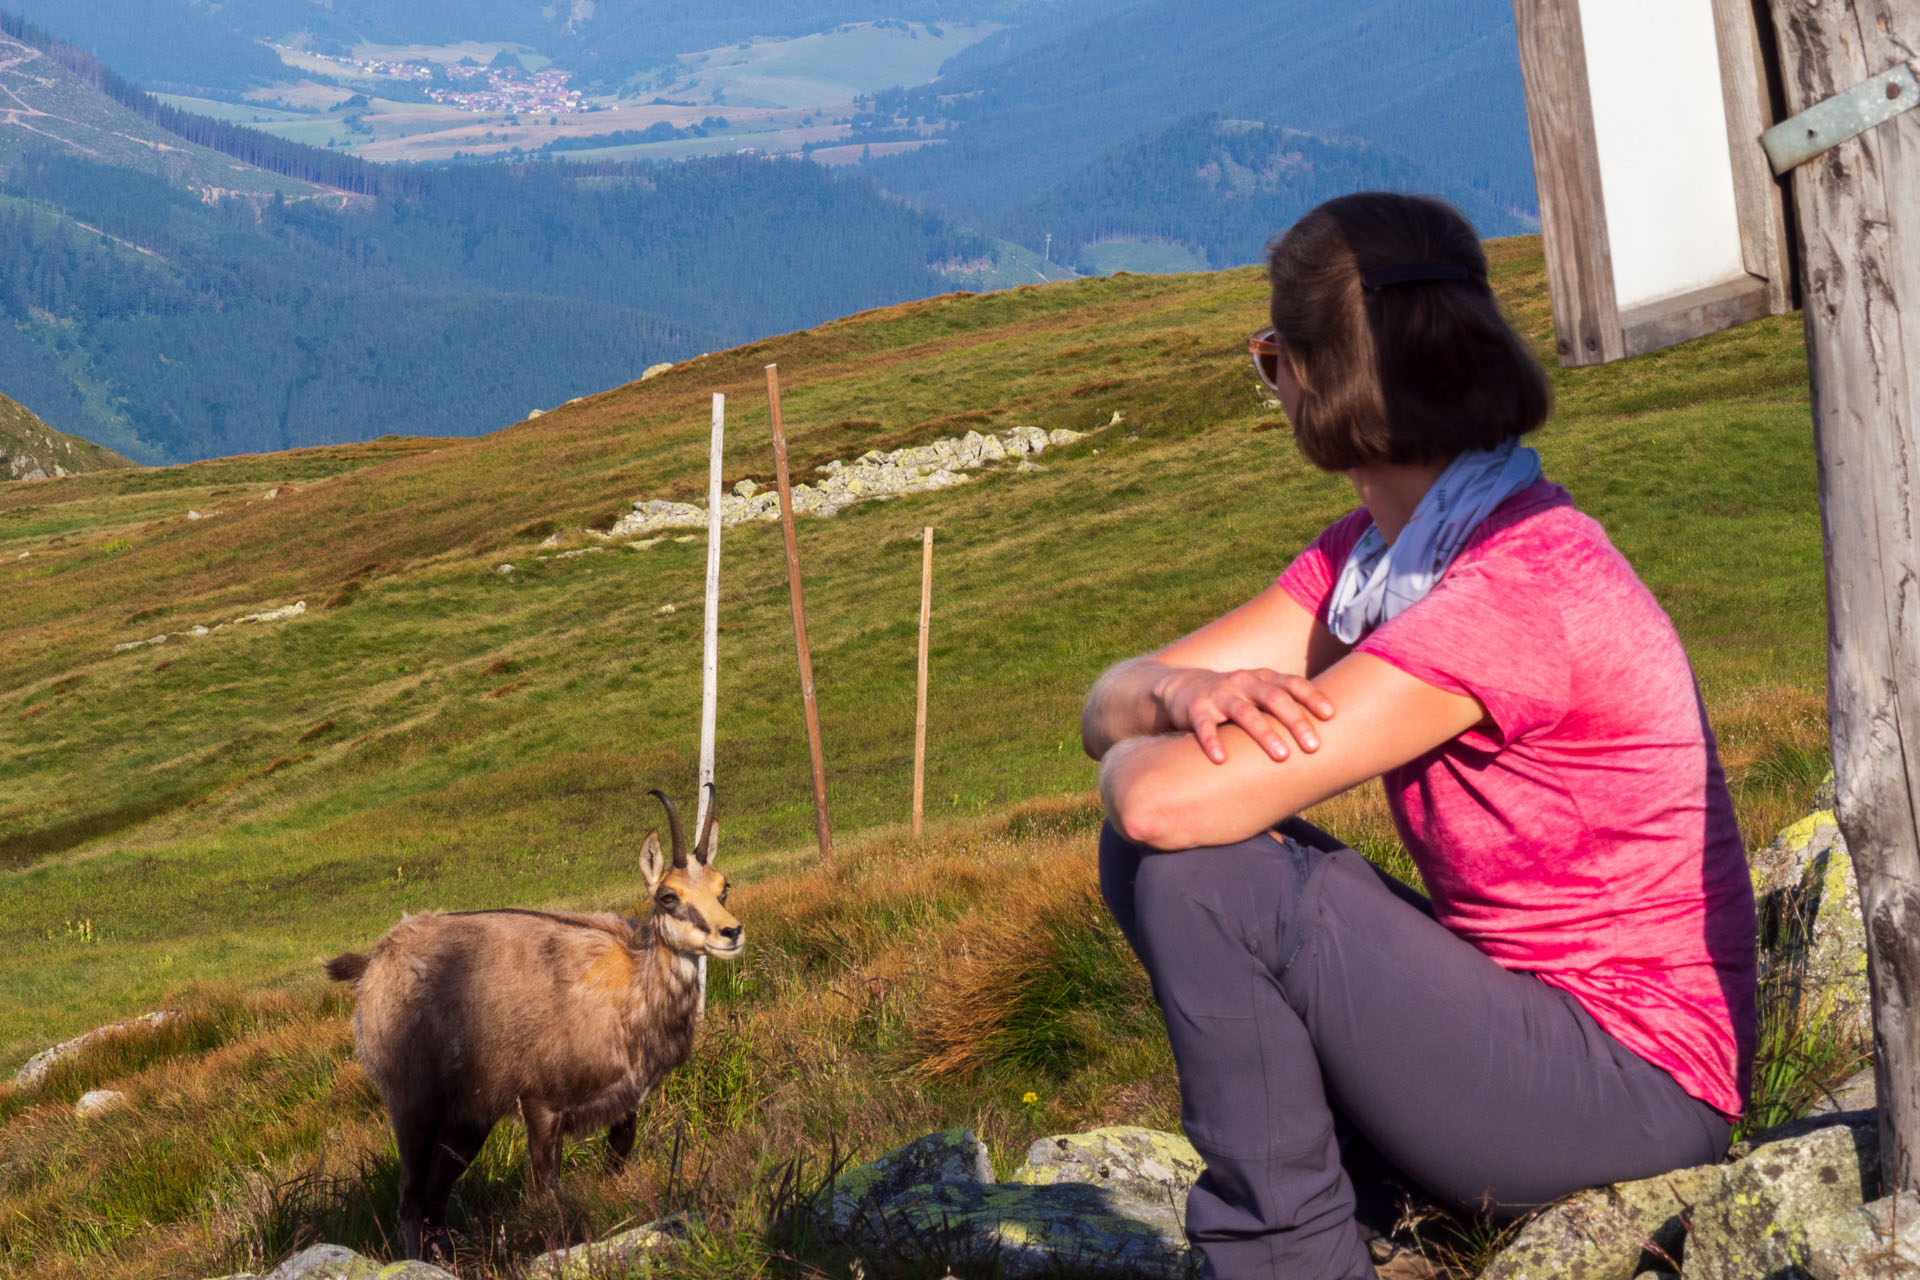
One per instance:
(196, 823)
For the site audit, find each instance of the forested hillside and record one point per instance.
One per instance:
(145, 316)
(1036, 115)
(1219, 187)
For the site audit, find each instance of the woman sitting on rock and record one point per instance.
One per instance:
(1575, 1005)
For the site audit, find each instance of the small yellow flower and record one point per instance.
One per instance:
(1029, 1098)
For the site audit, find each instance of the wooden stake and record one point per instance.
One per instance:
(823, 825)
(710, 665)
(920, 698)
(1859, 228)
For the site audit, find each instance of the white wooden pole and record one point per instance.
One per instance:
(710, 665)
(920, 696)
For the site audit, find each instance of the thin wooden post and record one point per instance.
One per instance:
(823, 824)
(1859, 229)
(710, 663)
(920, 698)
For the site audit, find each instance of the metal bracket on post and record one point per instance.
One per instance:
(1800, 138)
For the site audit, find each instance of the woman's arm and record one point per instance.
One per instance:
(1163, 791)
(1248, 668)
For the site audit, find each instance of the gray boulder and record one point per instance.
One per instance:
(1757, 1221)
(1867, 1242)
(614, 1255)
(36, 1068)
(1608, 1233)
(1110, 1201)
(333, 1262)
(96, 1102)
(950, 1156)
(1754, 1216)
(1134, 1164)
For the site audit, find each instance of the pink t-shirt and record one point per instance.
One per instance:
(1584, 834)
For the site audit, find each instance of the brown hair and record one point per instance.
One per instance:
(1413, 371)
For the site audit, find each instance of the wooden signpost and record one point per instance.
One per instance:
(1645, 248)
(920, 694)
(823, 824)
(1858, 207)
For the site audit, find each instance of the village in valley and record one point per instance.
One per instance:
(504, 86)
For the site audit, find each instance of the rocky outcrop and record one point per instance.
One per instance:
(36, 1068)
(615, 1255)
(1812, 939)
(1867, 1242)
(335, 1262)
(1755, 1221)
(1763, 1213)
(31, 450)
(874, 474)
(1110, 1202)
(280, 614)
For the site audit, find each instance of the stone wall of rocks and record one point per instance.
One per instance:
(874, 474)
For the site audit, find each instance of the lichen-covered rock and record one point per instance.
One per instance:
(36, 1068)
(1030, 1230)
(1608, 1233)
(655, 370)
(950, 1156)
(95, 1102)
(1867, 1242)
(602, 1258)
(1811, 931)
(1134, 1163)
(1756, 1221)
(1857, 1092)
(333, 1262)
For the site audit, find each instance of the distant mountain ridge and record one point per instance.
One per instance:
(31, 450)
(170, 326)
(1433, 86)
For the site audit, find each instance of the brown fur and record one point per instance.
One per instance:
(570, 1020)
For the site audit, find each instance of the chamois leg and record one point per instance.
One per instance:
(453, 1150)
(620, 1142)
(543, 1147)
(413, 1135)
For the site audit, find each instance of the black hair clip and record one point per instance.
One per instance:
(1414, 273)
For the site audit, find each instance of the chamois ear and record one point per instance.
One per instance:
(653, 863)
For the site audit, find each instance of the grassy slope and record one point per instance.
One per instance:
(491, 735)
(232, 807)
(53, 107)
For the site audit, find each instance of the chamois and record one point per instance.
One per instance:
(463, 1017)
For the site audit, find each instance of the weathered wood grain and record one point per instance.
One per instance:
(1566, 169)
(1751, 111)
(1858, 212)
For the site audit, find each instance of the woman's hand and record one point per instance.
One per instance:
(1262, 702)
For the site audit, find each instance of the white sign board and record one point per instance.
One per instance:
(1662, 220)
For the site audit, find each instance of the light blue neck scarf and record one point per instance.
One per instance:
(1379, 581)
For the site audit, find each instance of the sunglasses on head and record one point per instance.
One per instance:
(1264, 347)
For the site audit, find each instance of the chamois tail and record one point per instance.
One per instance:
(348, 967)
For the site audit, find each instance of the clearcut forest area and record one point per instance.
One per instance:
(196, 823)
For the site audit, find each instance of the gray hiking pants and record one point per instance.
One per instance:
(1321, 1019)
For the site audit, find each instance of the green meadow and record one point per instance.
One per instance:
(197, 823)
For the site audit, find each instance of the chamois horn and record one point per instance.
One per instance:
(673, 825)
(703, 847)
